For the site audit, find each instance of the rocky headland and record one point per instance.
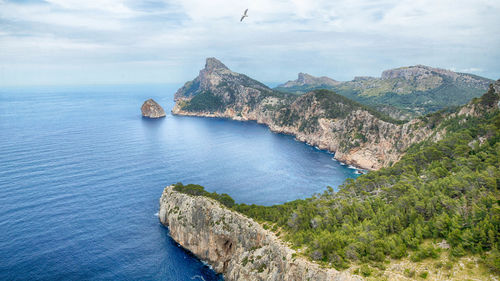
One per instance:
(234, 244)
(151, 109)
(358, 135)
(242, 249)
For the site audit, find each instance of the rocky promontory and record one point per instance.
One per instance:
(358, 135)
(151, 109)
(234, 244)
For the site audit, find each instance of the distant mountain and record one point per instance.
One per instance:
(306, 80)
(358, 134)
(423, 217)
(415, 89)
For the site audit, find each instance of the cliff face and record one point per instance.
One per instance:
(357, 135)
(233, 244)
(305, 79)
(419, 89)
(152, 109)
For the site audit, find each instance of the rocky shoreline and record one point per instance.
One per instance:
(234, 244)
(370, 156)
(359, 136)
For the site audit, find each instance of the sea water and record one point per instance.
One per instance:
(81, 173)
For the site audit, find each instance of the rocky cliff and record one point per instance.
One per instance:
(233, 244)
(152, 109)
(419, 89)
(357, 134)
(305, 79)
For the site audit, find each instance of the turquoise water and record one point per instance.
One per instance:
(81, 174)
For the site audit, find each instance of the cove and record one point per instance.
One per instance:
(81, 174)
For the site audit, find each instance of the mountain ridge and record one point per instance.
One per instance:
(357, 134)
(432, 215)
(418, 89)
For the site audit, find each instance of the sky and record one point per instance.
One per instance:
(73, 42)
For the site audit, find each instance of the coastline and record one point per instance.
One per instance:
(235, 245)
(343, 161)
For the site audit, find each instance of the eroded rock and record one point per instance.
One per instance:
(152, 109)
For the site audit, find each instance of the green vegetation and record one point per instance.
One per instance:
(337, 106)
(198, 190)
(204, 102)
(409, 95)
(445, 190)
(333, 106)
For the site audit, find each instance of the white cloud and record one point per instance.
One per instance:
(340, 38)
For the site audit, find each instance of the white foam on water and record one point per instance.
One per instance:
(198, 276)
(157, 214)
(206, 264)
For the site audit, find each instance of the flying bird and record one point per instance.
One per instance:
(244, 15)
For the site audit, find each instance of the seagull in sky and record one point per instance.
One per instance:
(244, 15)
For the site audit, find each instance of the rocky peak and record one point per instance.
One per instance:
(307, 79)
(409, 72)
(423, 72)
(214, 64)
(304, 78)
(218, 80)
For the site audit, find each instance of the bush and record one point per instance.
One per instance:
(424, 275)
(365, 270)
(198, 190)
(206, 101)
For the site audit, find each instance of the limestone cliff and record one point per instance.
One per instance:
(152, 109)
(356, 134)
(233, 244)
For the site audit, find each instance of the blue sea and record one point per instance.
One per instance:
(81, 173)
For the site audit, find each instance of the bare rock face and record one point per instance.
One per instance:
(152, 109)
(306, 79)
(234, 244)
(357, 135)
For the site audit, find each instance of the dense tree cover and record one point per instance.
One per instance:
(445, 190)
(205, 101)
(198, 190)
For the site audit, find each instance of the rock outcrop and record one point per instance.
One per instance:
(419, 89)
(357, 135)
(305, 79)
(234, 244)
(152, 109)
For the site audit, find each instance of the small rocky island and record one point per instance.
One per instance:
(152, 109)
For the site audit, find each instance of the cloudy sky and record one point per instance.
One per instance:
(165, 41)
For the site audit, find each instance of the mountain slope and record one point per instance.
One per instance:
(306, 80)
(434, 215)
(439, 203)
(419, 89)
(358, 135)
